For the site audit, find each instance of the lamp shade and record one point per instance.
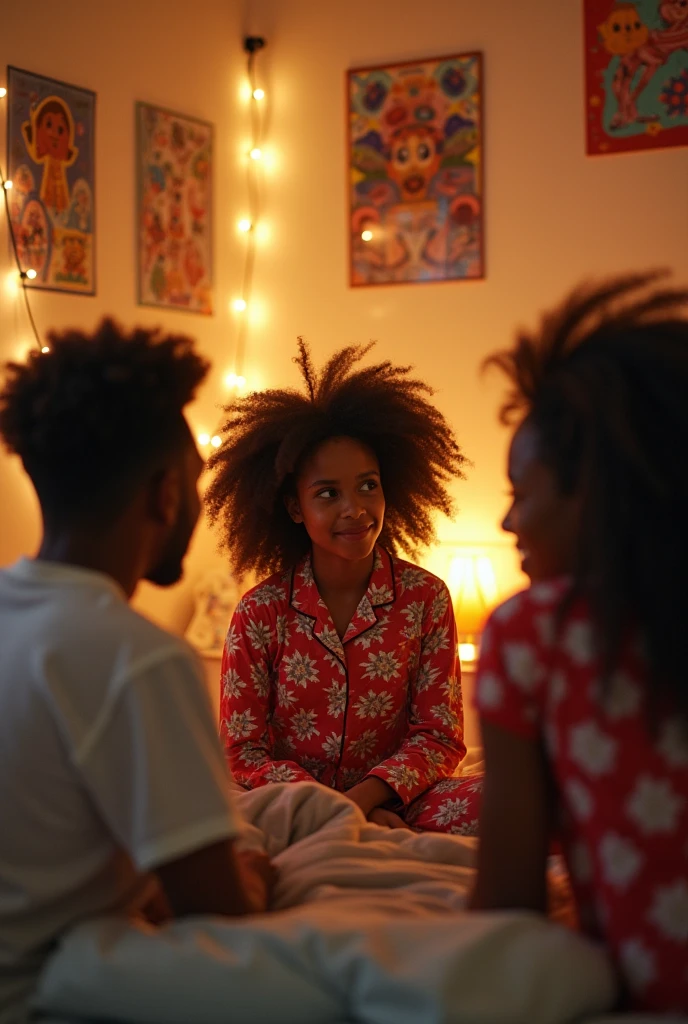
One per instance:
(473, 587)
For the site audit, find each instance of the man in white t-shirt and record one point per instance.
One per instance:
(113, 790)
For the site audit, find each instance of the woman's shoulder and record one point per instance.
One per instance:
(271, 593)
(409, 577)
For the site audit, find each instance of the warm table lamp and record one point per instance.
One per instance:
(472, 585)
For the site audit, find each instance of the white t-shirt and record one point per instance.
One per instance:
(110, 763)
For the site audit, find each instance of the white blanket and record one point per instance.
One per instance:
(369, 928)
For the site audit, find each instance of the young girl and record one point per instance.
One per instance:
(582, 681)
(342, 666)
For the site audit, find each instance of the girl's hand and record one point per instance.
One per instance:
(259, 876)
(370, 793)
(387, 819)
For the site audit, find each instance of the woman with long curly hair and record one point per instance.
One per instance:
(341, 667)
(582, 681)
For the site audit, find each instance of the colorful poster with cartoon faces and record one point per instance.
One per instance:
(636, 74)
(415, 171)
(51, 162)
(175, 164)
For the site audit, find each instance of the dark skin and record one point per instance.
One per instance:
(148, 541)
(517, 808)
(340, 500)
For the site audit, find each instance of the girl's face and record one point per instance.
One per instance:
(543, 520)
(339, 499)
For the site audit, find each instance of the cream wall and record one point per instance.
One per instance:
(553, 215)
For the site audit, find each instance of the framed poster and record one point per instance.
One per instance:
(174, 239)
(636, 74)
(415, 171)
(51, 162)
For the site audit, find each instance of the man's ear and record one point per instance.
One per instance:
(165, 492)
(293, 508)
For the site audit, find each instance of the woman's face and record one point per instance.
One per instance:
(339, 499)
(543, 520)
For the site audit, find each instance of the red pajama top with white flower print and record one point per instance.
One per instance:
(622, 792)
(298, 703)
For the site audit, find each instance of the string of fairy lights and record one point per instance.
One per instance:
(24, 273)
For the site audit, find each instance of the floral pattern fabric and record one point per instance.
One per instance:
(623, 791)
(300, 703)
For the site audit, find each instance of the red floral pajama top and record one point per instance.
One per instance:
(298, 703)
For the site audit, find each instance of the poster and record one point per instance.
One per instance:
(636, 75)
(51, 162)
(175, 168)
(415, 171)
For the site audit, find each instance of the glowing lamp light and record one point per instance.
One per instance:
(239, 305)
(8, 186)
(232, 380)
(45, 349)
(3, 92)
(31, 274)
(256, 153)
(258, 94)
(245, 224)
(367, 235)
(473, 588)
(203, 439)
(216, 441)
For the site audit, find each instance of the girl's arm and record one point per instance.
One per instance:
(246, 685)
(433, 745)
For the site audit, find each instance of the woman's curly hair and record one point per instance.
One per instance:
(605, 384)
(94, 413)
(269, 434)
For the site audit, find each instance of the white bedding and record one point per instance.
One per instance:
(370, 928)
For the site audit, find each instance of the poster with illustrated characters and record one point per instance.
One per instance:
(415, 171)
(175, 169)
(51, 162)
(636, 75)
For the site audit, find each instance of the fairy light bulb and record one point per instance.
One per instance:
(258, 94)
(203, 439)
(31, 274)
(45, 349)
(367, 235)
(256, 153)
(244, 224)
(239, 305)
(216, 441)
(8, 186)
(3, 92)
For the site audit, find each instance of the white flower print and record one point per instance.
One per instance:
(374, 635)
(335, 664)
(332, 746)
(522, 665)
(336, 699)
(380, 595)
(508, 609)
(374, 705)
(673, 743)
(284, 748)
(364, 744)
(450, 810)
(490, 690)
(260, 677)
(544, 624)
(427, 676)
(434, 757)
(446, 786)
(240, 724)
(452, 688)
(350, 776)
(314, 766)
(253, 757)
(638, 963)
(558, 687)
(330, 637)
(304, 625)
(306, 574)
(259, 634)
(232, 684)
(579, 798)
(411, 577)
(414, 613)
(654, 806)
(303, 724)
(592, 749)
(282, 629)
(446, 716)
(402, 777)
(543, 593)
(383, 665)
(267, 594)
(285, 697)
(300, 669)
(436, 641)
(578, 643)
(280, 773)
(232, 641)
(622, 698)
(466, 828)
(621, 861)
(669, 911)
(581, 863)
(440, 605)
